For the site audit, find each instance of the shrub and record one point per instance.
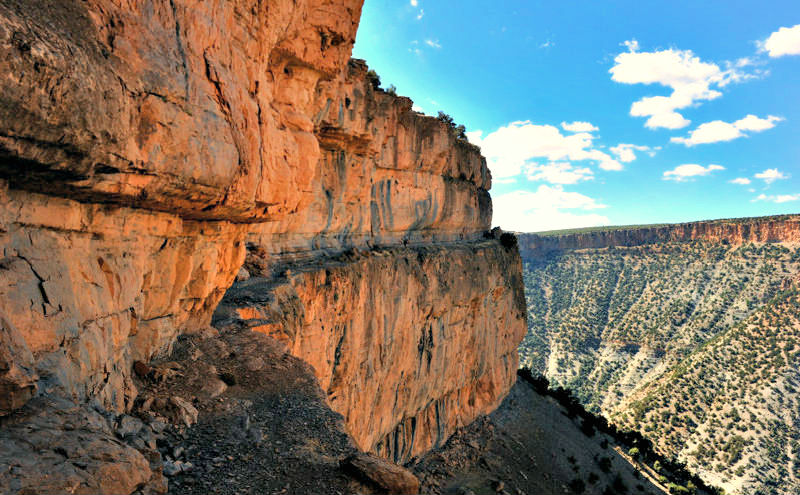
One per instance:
(508, 240)
(374, 79)
(577, 485)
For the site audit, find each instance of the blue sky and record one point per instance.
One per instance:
(608, 112)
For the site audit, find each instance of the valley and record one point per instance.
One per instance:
(685, 333)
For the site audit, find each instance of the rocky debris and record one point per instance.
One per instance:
(141, 369)
(530, 446)
(54, 446)
(390, 477)
(242, 275)
(269, 432)
(182, 411)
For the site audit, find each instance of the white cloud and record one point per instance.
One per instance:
(690, 79)
(511, 147)
(784, 41)
(625, 152)
(433, 44)
(743, 181)
(770, 175)
(779, 198)
(717, 130)
(529, 211)
(558, 173)
(688, 171)
(414, 3)
(547, 44)
(421, 14)
(578, 127)
(417, 108)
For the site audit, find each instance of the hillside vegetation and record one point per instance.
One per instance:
(691, 343)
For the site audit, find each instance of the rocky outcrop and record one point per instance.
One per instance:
(783, 228)
(134, 141)
(408, 343)
(146, 148)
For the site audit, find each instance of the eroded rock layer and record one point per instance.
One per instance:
(147, 146)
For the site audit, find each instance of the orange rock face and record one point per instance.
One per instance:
(147, 147)
(409, 343)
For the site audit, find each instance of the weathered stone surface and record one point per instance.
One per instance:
(52, 446)
(409, 344)
(390, 477)
(86, 289)
(200, 108)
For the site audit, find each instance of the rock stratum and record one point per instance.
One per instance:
(149, 150)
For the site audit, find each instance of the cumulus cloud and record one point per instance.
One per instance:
(743, 181)
(690, 79)
(558, 173)
(414, 3)
(784, 41)
(717, 130)
(547, 208)
(778, 198)
(509, 149)
(626, 152)
(689, 171)
(770, 175)
(433, 44)
(578, 127)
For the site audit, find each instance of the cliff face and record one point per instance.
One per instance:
(785, 228)
(147, 149)
(409, 344)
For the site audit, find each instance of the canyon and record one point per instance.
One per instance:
(169, 165)
(685, 333)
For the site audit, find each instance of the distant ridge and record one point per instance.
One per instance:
(610, 228)
(776, 228)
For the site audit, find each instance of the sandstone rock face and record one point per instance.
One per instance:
(784, 228)
(409, 344)
(146, 147)
(85, 289)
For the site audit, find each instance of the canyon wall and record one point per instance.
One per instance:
(783, 228)
(149, 148)
(408, 343)
(665, 329)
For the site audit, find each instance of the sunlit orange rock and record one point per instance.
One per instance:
(148, 148)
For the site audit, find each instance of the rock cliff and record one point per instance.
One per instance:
(783, 228)
(149, 148)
